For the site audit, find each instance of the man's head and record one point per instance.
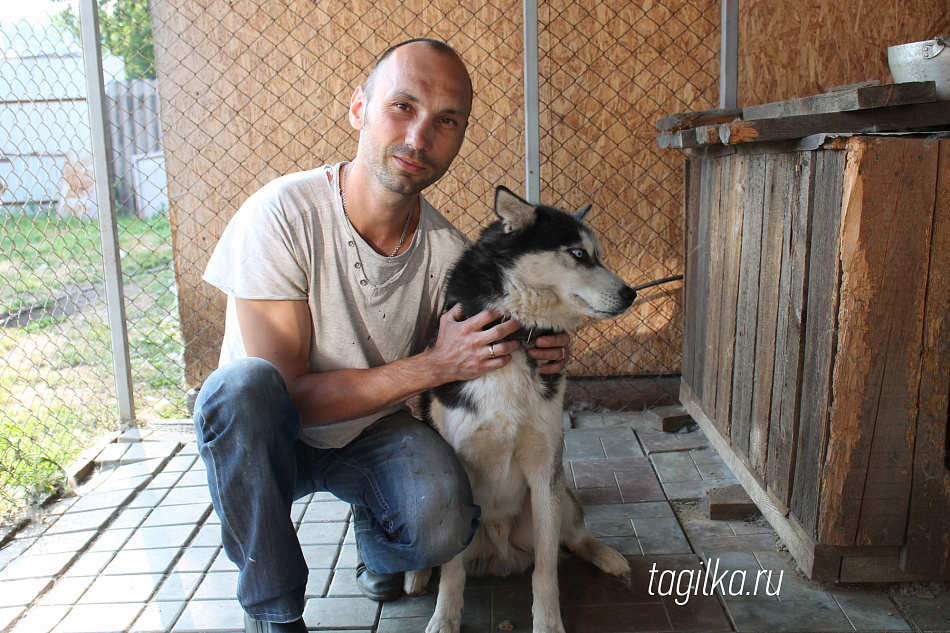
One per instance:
(412, 113)
(435, 46)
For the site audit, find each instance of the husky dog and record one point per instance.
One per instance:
(542, 267)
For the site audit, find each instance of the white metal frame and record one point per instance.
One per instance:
(95, 94)
(532, 131)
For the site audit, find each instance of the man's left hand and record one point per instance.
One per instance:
(553, 348)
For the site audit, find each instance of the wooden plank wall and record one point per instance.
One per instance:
(928, 539)
(818, 341)
(821, 332)
(886, 235)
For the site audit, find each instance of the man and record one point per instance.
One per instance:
(334, 277)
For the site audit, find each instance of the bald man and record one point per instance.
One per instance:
(335, 278)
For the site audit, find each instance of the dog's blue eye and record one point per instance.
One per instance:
(579, 254)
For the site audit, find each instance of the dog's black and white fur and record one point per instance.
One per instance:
(542, 267)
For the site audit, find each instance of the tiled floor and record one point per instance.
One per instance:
(139, 550)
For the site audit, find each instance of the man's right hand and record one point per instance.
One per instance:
(463, 350)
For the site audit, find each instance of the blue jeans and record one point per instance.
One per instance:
(412, 501)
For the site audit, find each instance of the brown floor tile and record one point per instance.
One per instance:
(741, 543)
(598, 495)
(700, 613)
(615, 618)
(598, 473)
(582, 584)
(638, 486)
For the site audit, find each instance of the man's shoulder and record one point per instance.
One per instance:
(289, 186)
(444, 231)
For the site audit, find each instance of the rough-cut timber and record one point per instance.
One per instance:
(829, 394)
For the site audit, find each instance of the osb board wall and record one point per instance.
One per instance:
(253, 89)
(609, 70)
(790, 49)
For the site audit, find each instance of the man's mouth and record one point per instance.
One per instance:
(409, 165)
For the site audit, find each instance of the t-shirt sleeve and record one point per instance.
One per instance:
(261, 254)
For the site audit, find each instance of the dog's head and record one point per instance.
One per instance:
(553, 273)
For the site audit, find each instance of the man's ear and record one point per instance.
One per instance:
(514, 212)
(357, 108)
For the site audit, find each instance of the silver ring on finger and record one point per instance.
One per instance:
(491, 350)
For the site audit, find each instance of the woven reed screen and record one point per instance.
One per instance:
(252, 90)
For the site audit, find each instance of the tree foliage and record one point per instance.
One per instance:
(126, 31)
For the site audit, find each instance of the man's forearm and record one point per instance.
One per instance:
(348, 394)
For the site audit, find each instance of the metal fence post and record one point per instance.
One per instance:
(95, 94)
(532, 134)
(729, 55)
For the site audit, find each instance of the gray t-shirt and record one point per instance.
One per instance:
(291, 241)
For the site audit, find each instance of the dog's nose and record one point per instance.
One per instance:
(628, 294)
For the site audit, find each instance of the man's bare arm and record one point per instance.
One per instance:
(280, 332)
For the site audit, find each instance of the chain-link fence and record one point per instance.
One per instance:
(258, 89)
(57, 384)
(248, 91)
(608, 72)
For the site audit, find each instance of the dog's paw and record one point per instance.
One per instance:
(611, 562)
(548, 627)
(445, 626)
(416, 581)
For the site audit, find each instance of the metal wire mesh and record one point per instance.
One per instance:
(252, 90)
(57, 385)
(238, 93)
(608, 71)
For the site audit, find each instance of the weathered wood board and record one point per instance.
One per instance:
(828, 390)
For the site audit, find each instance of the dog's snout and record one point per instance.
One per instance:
(628, 294)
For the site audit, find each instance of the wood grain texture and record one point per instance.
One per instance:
(789, 356)
(846, 99)
(928, 539)
(714, 182)
(885, 251)
(747, 308)
(733, 199)
(691, 185)
(816, 564)
(922, 116)
(820, 336)
(795, 49)
(778, 171)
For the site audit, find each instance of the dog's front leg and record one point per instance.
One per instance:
(546, 511)
(447, 617)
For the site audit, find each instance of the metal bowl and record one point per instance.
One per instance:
(922, 61)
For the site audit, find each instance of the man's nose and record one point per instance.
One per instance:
(419, 135)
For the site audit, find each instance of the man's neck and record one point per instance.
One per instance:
(382, 218)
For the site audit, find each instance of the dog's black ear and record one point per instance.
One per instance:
(513, 211)
(581, 213)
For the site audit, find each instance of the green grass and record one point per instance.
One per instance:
(42, 255)
(57, 387)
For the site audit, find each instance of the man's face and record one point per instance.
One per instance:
(413, 124)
